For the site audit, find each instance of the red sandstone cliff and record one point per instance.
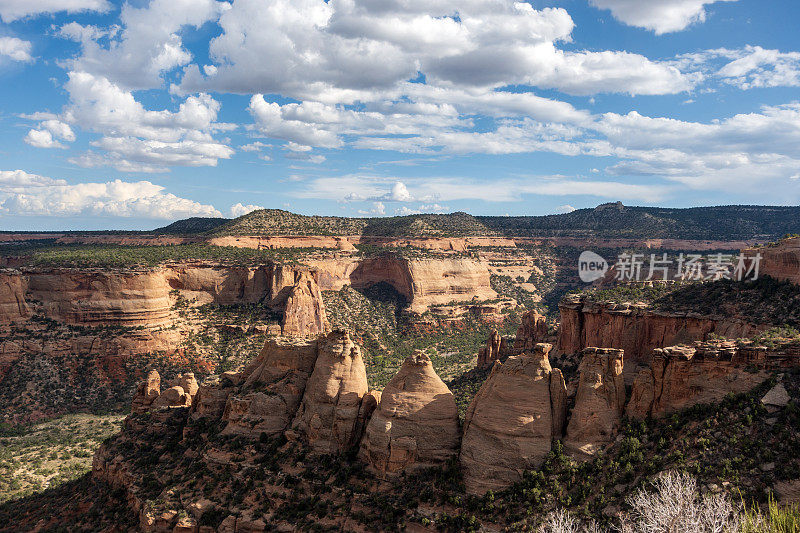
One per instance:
(637, 329)
(780, 261)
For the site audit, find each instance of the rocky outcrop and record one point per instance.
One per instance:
(97, 297)
(531, 332)
(328, 416)
(416, 423)
(369, 403)
(780, 260)
(314, 386)
(141, 297)
(179, 392)
(496, 347)
(512, 421)
(304, 312)
(13, 307)
(272, 388)
(146, 393)
(704, 372)
(174, 396)
(424, 282)
(637, 329)
(599, 402)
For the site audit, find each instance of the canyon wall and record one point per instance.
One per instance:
(138, 297)
(705, 372)
(779, 261)
(637, 329)
(424, 282)
(13, 307)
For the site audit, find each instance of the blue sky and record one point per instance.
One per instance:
(131, 115)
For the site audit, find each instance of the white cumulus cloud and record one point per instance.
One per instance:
(238, 210)
(660, 16)
(11, 10)
(15, 49)
(25, 194)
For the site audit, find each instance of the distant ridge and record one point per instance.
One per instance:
(190, 226)
(611, 220)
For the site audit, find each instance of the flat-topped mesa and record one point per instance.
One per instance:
(512, 421)
(416, 423)
(304, 313)
(328, 417)
(599, 402)
(705, 372)
(637, 329)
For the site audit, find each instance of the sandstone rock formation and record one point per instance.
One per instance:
(423, 282)
(146, 393)
(780, 261)
(304, 313)
(531, 332)
(272, 388)
(211, 398)
(705, 372)
(12, 299)
(369, 403)
(96, 297)
(329, 412)
(599, 402)
(416, 423)
(637, 329)
(179, 392)
(512, 420)
(174, 396)
(496, 346)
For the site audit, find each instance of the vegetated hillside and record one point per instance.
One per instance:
(190, 226)
(763, 301)
(615, 220)
(279, 222)
(612, 220)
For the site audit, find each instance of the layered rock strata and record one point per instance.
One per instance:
(512, 421)
(330, 412)
(416, 423)
(423, 282)
(637, 329)
(599, 402)
(704, 372)
(304, 312)
(780, 260)
(271, 389)
(179, 392)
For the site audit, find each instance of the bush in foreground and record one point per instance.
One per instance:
(673, 505)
